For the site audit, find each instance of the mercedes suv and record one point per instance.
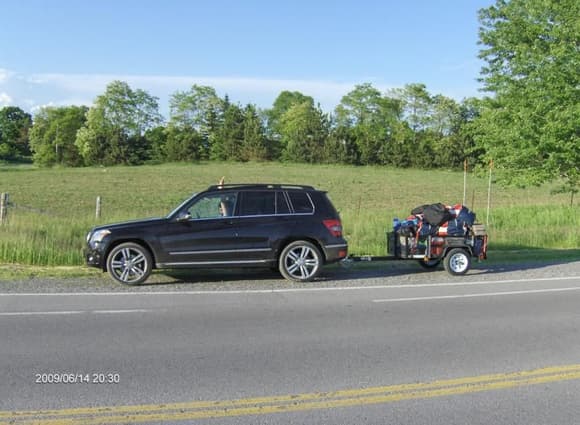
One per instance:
(294, 229)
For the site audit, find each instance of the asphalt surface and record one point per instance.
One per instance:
(500, 345)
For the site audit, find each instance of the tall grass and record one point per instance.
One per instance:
(54, 208)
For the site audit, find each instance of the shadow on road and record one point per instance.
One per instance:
(351, 272)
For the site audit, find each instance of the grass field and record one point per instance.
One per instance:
(54, 208)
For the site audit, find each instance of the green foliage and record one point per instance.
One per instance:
(228, 138)
(199, 109)
(340, 147)
(531, 127)
(403, 128)
(14, 127)
(372, 118)
(116, 124)
(53, 135)
(303, 129)
(256, 146)
(282, 104)
(157, 140)
(183, 144)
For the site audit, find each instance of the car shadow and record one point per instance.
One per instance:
(378, 270)
(350, 271)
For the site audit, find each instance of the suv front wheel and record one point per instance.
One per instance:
(300, 261)
(129, 263)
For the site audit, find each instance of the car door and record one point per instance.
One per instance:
(204, 235)
(259, 224)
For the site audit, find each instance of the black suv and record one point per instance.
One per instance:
(294, 229)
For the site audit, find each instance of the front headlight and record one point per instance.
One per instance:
(98, 236)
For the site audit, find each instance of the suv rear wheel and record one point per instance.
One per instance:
(300, 261)
(129, 263)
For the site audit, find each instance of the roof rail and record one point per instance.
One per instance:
(259, 186)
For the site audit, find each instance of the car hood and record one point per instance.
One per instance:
(125, 225)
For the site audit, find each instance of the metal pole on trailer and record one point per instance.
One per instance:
(489, 193)
(465, 182)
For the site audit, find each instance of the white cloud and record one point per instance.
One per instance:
(4, 75)
(261, 91)
(5, 100)
(35, 90)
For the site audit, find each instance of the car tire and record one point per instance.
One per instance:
(300, 261)
(129, 263)
(457, 261)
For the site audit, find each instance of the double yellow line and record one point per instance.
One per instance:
(288, 403)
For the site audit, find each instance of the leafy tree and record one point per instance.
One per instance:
(255, 144)
(531, 125)
(116, 124)
(14, 126)
(198, 109)
(372, 119)
(282, 104)
(53, 135)
(458, 144)
(340, 146)
(229, 136)
(417, 105)
(183, 144)
(157, 140)
(303, 129)
(360, 106)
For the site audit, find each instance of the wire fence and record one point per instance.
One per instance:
(7, 206)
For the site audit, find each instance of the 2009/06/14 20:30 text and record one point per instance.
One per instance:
(77, 378)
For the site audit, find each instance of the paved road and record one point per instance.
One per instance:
(501, 349)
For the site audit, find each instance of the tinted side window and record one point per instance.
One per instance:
(258, 203)
(301, 203)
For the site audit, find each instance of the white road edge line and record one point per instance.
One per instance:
(484, 294)
(137, 310)
(70, 312)
(289, 290)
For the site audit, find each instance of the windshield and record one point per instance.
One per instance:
(172, 213)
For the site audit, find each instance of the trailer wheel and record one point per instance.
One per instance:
(430, 264)
(457, 261)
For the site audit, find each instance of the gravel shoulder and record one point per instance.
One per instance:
(356, 274)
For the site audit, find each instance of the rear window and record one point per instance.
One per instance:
(301, 202)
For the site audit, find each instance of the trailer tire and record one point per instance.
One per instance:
(457, 261)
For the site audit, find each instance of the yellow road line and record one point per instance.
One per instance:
(289, 403)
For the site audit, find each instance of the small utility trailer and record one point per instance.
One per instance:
(455, 252)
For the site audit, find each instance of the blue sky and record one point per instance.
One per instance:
(66, 52)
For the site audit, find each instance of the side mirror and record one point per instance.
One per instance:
(183, 216)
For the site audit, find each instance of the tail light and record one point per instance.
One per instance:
(334, 227)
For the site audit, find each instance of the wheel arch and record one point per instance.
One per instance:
(284, 243)
(118, 242)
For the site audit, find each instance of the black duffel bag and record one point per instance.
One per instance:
(434, 214)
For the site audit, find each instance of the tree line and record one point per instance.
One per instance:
(528, 123)
(407, 127)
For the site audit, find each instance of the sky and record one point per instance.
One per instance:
(66, 52)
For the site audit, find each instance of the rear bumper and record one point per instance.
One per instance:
(335, 252)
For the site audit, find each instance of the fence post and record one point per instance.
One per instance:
(98, 210)
(3, 207)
